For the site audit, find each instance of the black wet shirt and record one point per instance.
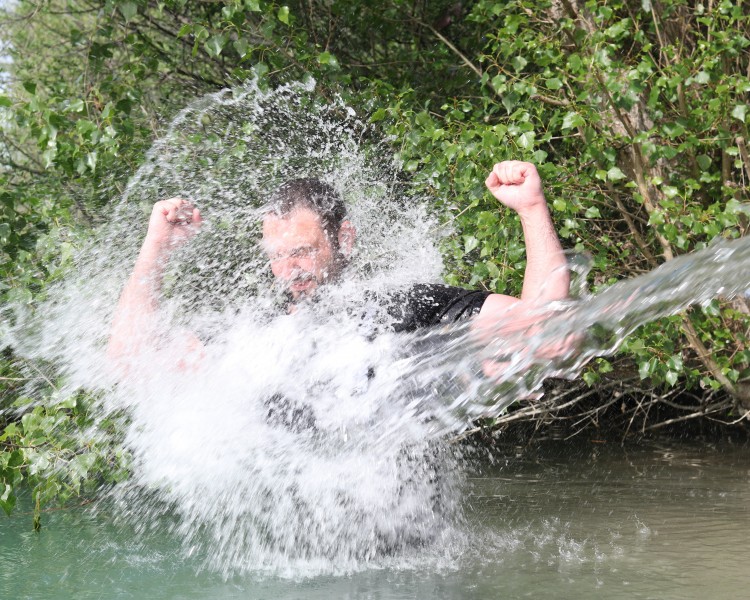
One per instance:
(422, 305)
(426, 305)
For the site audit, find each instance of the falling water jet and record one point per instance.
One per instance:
(566, 335)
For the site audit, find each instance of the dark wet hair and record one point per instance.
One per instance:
(314, 194)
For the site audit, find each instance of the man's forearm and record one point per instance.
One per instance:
(546, 277)
(132, 322)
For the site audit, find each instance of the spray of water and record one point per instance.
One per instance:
(269, 450)
(312, 440)
(557, 340)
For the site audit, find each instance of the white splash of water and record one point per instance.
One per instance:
(311, 441)
(287, 444)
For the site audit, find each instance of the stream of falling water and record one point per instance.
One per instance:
(359, 469)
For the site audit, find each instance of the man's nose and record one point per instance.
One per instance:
(286, 267)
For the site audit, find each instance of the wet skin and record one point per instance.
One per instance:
(302, 254)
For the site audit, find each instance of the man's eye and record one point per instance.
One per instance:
(302, 252)
(296, 253)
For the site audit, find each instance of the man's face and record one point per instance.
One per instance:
(302, 256)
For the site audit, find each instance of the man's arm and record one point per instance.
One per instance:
(171, 224)
(518, 186)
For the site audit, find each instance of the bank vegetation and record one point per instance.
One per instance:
(635, 111)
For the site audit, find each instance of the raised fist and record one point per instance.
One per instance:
(172, 223)
(517, 185)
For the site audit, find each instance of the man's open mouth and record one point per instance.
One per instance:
(299, 284)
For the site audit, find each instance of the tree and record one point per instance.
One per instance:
(635, 112)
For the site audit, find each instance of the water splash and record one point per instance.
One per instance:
(312, 441)
(559, 339)
(268, 454)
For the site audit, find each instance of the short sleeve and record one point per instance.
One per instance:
(425, 305)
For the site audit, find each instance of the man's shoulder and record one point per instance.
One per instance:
(427, 304)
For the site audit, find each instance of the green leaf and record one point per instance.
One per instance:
(215, 44)
(592, 212)
(326, 58)
(519, 62)
(470, 243)
(644, 369)
(615, 174)
(91, 158)
(378, 115)
(739, 112)
(591, 377)
(526, 140)
(240, 46)
(30, 87)
(498, 83)
(283, 14)
(704, 162)
(572, 120)
(128, 9)
(675, 363)
(7, 500)
(5, 102)
(76, 106)
(702, 77)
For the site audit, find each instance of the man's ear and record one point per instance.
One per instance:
(347, 237)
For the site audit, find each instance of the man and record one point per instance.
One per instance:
(308, 239)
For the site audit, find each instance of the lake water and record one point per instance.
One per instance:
(578, 519)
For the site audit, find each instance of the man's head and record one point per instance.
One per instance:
(306, 235)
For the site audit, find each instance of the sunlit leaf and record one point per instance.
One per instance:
(215, 44)
(615, 174)
(128, 9)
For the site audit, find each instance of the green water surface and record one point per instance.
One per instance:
(556, 520)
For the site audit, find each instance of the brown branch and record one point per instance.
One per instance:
(640, 242)
(743, 154)
(13, 165)
(705, 357)
(724, 405)
(453, 49)
(639, 169)
(551, 101)
(10, 142)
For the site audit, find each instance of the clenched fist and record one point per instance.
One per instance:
(517, 185)
(172, 223)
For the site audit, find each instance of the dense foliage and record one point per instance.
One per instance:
(636, 113)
